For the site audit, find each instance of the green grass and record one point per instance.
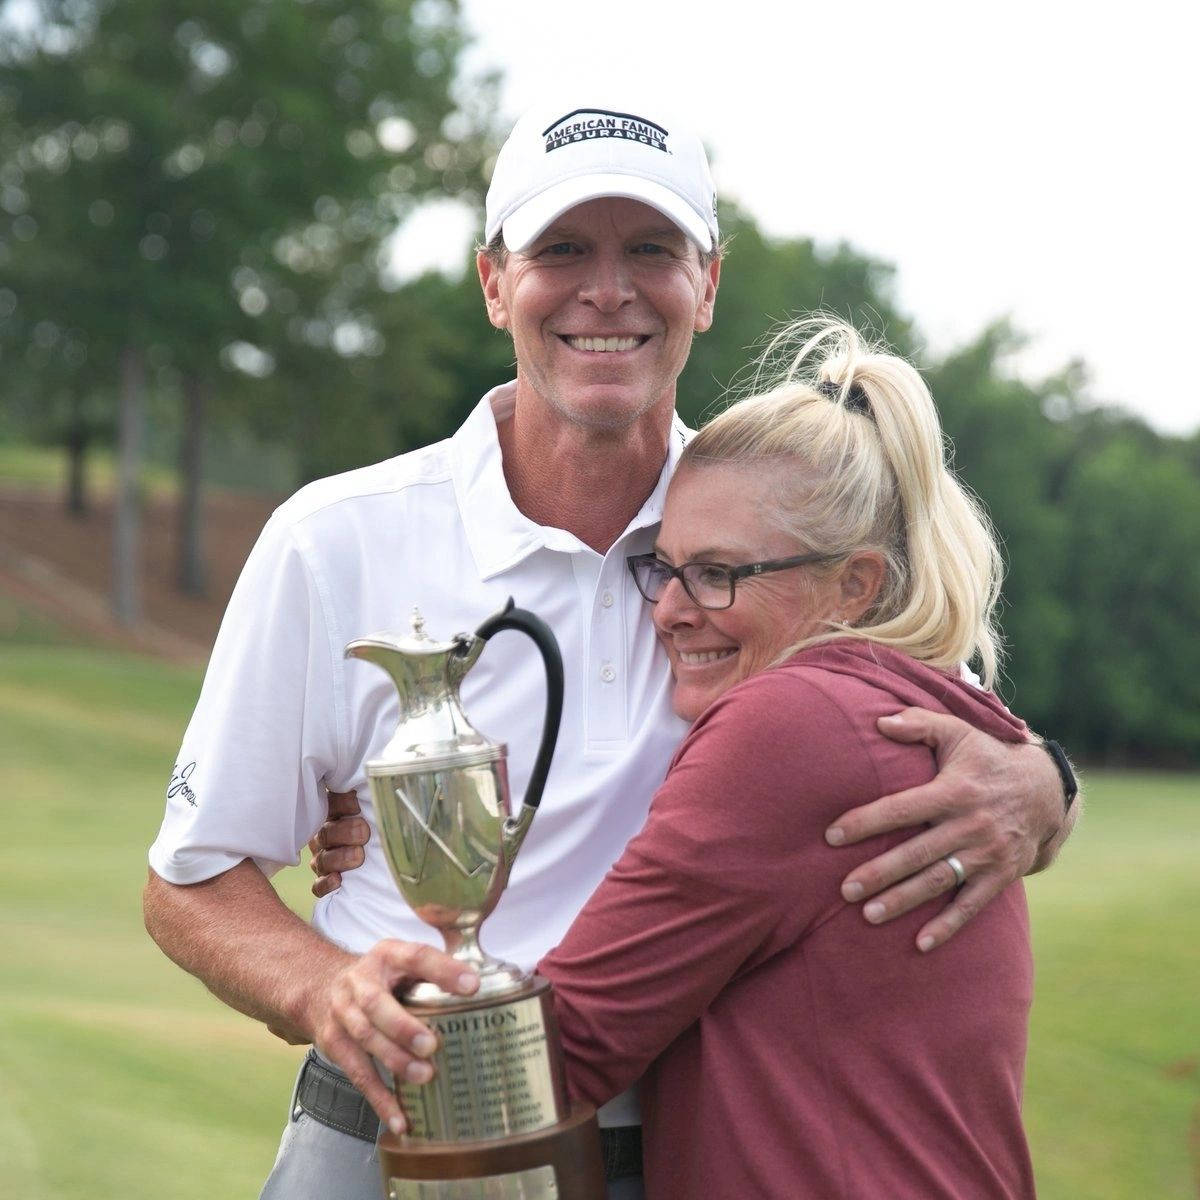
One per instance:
(232, 462)
(1113, 1093)
(22, 623)
(25, 465)
(123, 1077)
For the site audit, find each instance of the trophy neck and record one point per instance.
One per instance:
(432, 723)
(427, 685)
(496, 977)
(436, 728)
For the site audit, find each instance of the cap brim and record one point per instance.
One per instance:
(532, 217)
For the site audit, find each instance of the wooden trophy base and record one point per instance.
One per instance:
(562, 1162)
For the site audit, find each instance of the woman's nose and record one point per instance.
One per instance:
(676, 609)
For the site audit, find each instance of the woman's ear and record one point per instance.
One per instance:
(859, 584)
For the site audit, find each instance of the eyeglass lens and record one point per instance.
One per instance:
(709, 584)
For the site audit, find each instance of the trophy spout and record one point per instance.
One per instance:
(425, 672)
(387, 651)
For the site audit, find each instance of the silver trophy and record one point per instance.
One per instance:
(495, 1120)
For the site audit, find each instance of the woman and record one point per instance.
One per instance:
(818, 567)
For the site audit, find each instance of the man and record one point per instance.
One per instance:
(602, 262)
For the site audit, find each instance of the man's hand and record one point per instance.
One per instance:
(338, 845)
(236, 935)
(358, 1017)
(993, 805)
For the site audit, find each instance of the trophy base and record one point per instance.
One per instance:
(562, 1162)
(499, 1069)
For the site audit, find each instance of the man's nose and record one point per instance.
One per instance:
(609, 282)
(676, 609)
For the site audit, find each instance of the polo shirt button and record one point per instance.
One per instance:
(607, 673)
(607, 599)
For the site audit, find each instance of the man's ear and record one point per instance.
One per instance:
(489, 279)
(704, 310)
(859, 584)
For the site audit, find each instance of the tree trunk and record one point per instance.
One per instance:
(127, 600)
(77, 445)
(191, 568)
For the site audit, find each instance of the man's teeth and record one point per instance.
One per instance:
(705, 656)
(603, 344)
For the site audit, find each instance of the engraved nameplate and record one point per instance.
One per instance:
(537, 1183)
(495, 1076)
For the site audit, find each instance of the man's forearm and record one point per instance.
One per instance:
(246, 946)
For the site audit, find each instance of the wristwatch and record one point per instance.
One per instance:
(1070, 784)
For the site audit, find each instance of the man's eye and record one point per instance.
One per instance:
(559, 249)
(649, 248)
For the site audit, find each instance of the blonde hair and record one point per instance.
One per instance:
(858, 436)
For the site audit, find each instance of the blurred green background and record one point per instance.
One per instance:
(123, 1077)
(196, 316)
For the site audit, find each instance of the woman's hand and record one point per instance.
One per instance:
(994, 805)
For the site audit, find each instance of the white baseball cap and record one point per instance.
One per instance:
(563, 154)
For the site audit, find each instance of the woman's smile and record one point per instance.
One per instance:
(697, 658)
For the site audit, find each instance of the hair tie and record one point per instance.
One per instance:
(856, 398)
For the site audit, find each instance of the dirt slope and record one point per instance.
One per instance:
(60, 567)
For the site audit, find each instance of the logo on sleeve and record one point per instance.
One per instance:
(179, 784)
(587, 124)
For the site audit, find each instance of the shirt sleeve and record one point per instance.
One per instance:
(247, 782)
(730, 869)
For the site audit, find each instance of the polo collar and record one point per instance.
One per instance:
(499, 534)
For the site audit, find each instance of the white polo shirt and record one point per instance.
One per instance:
(283, 714)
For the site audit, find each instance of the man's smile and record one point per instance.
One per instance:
(605, 345)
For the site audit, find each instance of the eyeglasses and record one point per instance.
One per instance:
(710, 585)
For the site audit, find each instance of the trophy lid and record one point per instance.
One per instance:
(415, 655)
(415, 642)
(433, 732)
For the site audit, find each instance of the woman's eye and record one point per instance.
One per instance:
(710, 576)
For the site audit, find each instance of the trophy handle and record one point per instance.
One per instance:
(510, 617)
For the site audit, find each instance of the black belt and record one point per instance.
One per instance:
(326, 1095)
(622, 1149)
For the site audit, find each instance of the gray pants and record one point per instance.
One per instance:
(318, 1163)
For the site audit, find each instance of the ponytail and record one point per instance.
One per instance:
(860, 428)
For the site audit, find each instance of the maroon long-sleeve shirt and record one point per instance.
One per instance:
(787, 1048)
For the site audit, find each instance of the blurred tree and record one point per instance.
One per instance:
(185, 178)
(1100, 523)
(54, 396)
(765, 281)
(1011, 454)
(1131, 683)
(415, 362)
(200, 199)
